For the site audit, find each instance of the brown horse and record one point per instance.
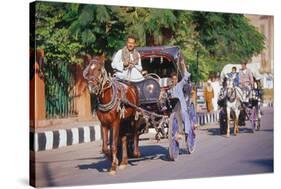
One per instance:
(112, 109)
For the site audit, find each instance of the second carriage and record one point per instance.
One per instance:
(250, 111)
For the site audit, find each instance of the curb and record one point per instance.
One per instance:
(50, 140)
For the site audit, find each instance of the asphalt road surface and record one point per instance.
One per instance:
(215, 155)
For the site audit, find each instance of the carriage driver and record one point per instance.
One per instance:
(127, 62)
(246, 80)
(234, 75)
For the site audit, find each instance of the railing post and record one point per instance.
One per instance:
(37, 88)
(83, 101)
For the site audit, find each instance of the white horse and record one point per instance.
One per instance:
(234, 97)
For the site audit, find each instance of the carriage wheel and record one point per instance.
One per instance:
(191, 134)
(190, 141)
(173, 143)
(259, 124)
(222, 121)
(259, 119)
(254, 118)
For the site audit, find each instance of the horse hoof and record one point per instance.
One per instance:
(137, 155)
(227, 135)
(112, 173)
(122, 167)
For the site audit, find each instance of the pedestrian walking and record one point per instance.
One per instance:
(209, 95)
(216, 87)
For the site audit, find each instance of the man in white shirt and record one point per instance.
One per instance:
(127, 62)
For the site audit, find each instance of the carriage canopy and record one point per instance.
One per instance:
(254, 67)
(161, 60)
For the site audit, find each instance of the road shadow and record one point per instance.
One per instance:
(244, 129)
(101, 166)
(266, 130)
(148, 153)
(268, 164)
(73, 159)
(213, 131)
(216, 131)
(151, 152)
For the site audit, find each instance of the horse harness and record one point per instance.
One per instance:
(121, 101)
(231, 98)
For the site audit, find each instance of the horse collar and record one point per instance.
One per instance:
(232, 97)
(108, 106)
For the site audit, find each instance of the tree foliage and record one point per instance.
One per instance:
(69, 31)
(227, 38)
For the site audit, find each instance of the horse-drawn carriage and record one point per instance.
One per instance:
(142, 104)
(238, 105)
(160, 63)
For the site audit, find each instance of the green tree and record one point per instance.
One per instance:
(228, 38)
(69, 31)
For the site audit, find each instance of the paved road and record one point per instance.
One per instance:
(215, 155)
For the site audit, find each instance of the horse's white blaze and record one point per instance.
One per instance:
(93, 66)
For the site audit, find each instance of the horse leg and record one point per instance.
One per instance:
(136, 126)
(124, 161)
(236, 129)
(105, 149)
(137, 153)
(114, 163)
(234, 124)
(227, 122)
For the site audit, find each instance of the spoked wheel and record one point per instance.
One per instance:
(190, 140)
(172, 134)
(258, 124)
(222, 121)
(254, 119)
(259, 119)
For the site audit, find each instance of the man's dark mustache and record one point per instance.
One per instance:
(131, 48)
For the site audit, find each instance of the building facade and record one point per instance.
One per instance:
(265, 25)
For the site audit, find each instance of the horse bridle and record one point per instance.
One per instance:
(233, 94)
(98, 88)
(99, 79)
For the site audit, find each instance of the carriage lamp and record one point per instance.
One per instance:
(150, 88)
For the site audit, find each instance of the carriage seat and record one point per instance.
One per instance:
(148, 90)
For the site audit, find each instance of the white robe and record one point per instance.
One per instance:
(177, 91)
(216, 86)
(133, 75)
